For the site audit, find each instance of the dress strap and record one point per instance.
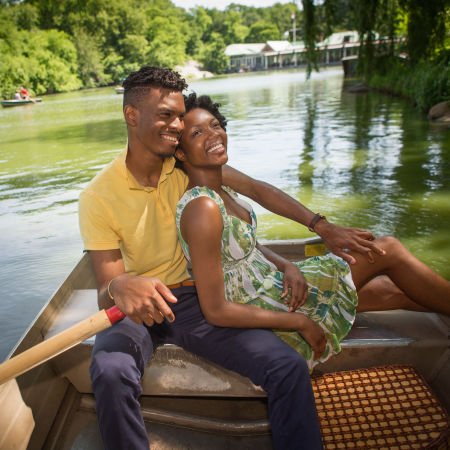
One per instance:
(196, 192)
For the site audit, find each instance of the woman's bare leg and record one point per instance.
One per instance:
(420, 283)
(382, 294)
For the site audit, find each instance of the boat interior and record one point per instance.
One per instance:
(188, 402)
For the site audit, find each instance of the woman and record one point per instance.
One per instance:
(240, 283)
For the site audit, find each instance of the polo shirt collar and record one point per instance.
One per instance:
(167, 168)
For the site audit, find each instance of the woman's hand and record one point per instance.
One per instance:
(314, 334)
(293, 279)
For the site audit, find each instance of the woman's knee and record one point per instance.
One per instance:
(388, 243)
(394, 249)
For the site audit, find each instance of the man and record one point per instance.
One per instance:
(127, 220)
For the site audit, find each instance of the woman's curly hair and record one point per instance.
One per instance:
(193, 101)
(138, 83)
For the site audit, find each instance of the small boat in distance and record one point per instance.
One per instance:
(7, 103)
(188, 402)
(119, 90)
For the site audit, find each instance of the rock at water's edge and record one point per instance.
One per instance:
(359, 88)
(440, 112)
(191, 70)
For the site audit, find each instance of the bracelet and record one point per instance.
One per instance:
(314, 220)
(109, 287)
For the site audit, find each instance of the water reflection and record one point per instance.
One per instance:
(363, 160)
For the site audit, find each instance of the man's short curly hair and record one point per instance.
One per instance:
(138, 83)
(205, 102)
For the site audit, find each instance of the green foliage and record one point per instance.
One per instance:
(311, 33)
(24, 17)
(44, 61)
(213, 58)
(167, 42)
(280, 15)
(426, 84)
(233, 30)
(90, 66)
(262, 32)
(423, 76)
(365, 13)
(426, 26)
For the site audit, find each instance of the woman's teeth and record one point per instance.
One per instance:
(215, 148)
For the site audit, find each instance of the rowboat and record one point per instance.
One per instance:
(8, 103)
(188, 402)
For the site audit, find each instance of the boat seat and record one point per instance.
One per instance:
(377, 338)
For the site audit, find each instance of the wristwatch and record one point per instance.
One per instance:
(314, 220)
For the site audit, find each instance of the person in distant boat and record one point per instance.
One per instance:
(24, 93)
(240, 283)
(17, 95)
(127, 221)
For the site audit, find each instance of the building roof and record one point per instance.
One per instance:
(277, 46)
(341, 37)
(243, 49)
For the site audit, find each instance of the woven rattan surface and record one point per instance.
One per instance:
(389, 407)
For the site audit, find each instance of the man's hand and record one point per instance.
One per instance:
(339, 239)
(143, 299)
(293, 279)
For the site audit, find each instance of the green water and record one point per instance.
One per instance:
(365, 160)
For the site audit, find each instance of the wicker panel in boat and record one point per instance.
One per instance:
(389, 407)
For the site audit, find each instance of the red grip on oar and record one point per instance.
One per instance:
(114, 314)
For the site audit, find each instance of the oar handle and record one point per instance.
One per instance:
(114, 314)
(59, 343)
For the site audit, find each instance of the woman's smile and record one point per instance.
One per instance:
(217, 148)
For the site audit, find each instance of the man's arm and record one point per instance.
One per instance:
(335, 237)
(142, 299)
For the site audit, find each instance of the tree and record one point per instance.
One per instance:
(24, 16)
(214, 58)
(91, 69)
(280, 15)
(263, 32)
(234, 31)
(45, 61)
(426, 27)
(167, 42)
(310, 35)
(200, 24)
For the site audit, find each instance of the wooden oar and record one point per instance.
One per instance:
(16, 418)
(59, 343)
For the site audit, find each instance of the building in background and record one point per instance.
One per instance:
(279, 54)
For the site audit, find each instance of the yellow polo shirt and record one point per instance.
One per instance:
(116, 212)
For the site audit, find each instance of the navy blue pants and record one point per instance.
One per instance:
(122, 352)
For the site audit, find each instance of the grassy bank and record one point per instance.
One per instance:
(425, 84)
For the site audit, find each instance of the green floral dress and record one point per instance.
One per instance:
(250, 278)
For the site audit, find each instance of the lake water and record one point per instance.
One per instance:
(365, 160)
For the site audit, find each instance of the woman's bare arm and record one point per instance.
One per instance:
(295, 288)
(201, 228)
